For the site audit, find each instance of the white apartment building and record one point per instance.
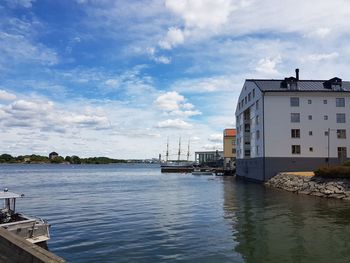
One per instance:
(291, 125)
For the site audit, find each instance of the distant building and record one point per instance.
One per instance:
(53, 155)
(291, 125)
(209, 157)
(229, 148)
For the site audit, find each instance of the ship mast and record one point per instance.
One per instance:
(179, 152)
(167, 150)
(188, 151)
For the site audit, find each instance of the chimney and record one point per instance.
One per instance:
(297, 73)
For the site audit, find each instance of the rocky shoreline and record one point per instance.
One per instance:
(311, 185)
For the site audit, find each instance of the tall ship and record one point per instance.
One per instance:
(177, 165)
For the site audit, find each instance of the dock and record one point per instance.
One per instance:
(15, 249)
(182, 169)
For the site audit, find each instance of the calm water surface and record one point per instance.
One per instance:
(133, 213)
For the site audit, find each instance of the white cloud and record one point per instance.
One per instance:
(268, 65)
(175, 104)
(174, 124)
(215, 137)
(174, 37)
(199, 17)
(162, 60)
(6, 96)
(112, 82)
(204, 85)
(21, 3)
(320, 57)
(18, 48)
(320, 32)
(170, 101)
(41, 114)
(205, 14)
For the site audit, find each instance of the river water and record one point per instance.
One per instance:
(133, 213)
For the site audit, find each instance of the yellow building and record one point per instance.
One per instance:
(229, 148)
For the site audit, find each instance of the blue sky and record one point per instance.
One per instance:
(117, 78)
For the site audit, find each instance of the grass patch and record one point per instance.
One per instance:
(334, 172)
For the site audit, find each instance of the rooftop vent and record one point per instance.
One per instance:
(297, 73)
(333, 84)
(290, 83)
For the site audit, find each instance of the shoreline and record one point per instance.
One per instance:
(306, 183)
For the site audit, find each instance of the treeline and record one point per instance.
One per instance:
(7, 158)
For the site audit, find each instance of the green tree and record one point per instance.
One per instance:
(6, 158)
(76, 159)
(58, 159)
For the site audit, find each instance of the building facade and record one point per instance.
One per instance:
(291, 125)
(208, 157)
(229, 140)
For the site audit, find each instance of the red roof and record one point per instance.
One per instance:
(230, 132)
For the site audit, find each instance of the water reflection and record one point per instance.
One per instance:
(277, 226)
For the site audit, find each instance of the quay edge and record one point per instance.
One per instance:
(15, 249)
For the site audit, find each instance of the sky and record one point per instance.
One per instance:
(119, 78)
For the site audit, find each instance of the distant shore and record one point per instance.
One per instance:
(39, 159)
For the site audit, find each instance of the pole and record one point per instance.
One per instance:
(329, 131)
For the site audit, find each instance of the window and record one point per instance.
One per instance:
(247, 153)
(340, 102)
(257, 134)
(253, 93)
(310, 117)
(247, 127)
(295, 149)
(340, 117)
(233, 150)
(257, 120)
(295, 133)
(310, 133)
(309, 101)
(325, 117)
(341, 134)
(242, 102)
(257, 150)
(311, 149)
(245, 99)
(295, 117)
(294, 102)
(249, 96)
(257, 105)
(233, 142)
(324, 101)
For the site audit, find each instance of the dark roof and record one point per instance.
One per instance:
(53, 153)
(303, 85)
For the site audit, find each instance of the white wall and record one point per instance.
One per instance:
(248, 88)
(278, 125)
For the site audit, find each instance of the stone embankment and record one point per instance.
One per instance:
(311, 185)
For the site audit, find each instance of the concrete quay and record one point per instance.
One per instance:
(14, 249)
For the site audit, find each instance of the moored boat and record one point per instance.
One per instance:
(33, 229)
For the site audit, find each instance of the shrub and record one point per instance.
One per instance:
(347, 163)
(333, 172)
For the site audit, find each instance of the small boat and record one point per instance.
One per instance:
(33, 229)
